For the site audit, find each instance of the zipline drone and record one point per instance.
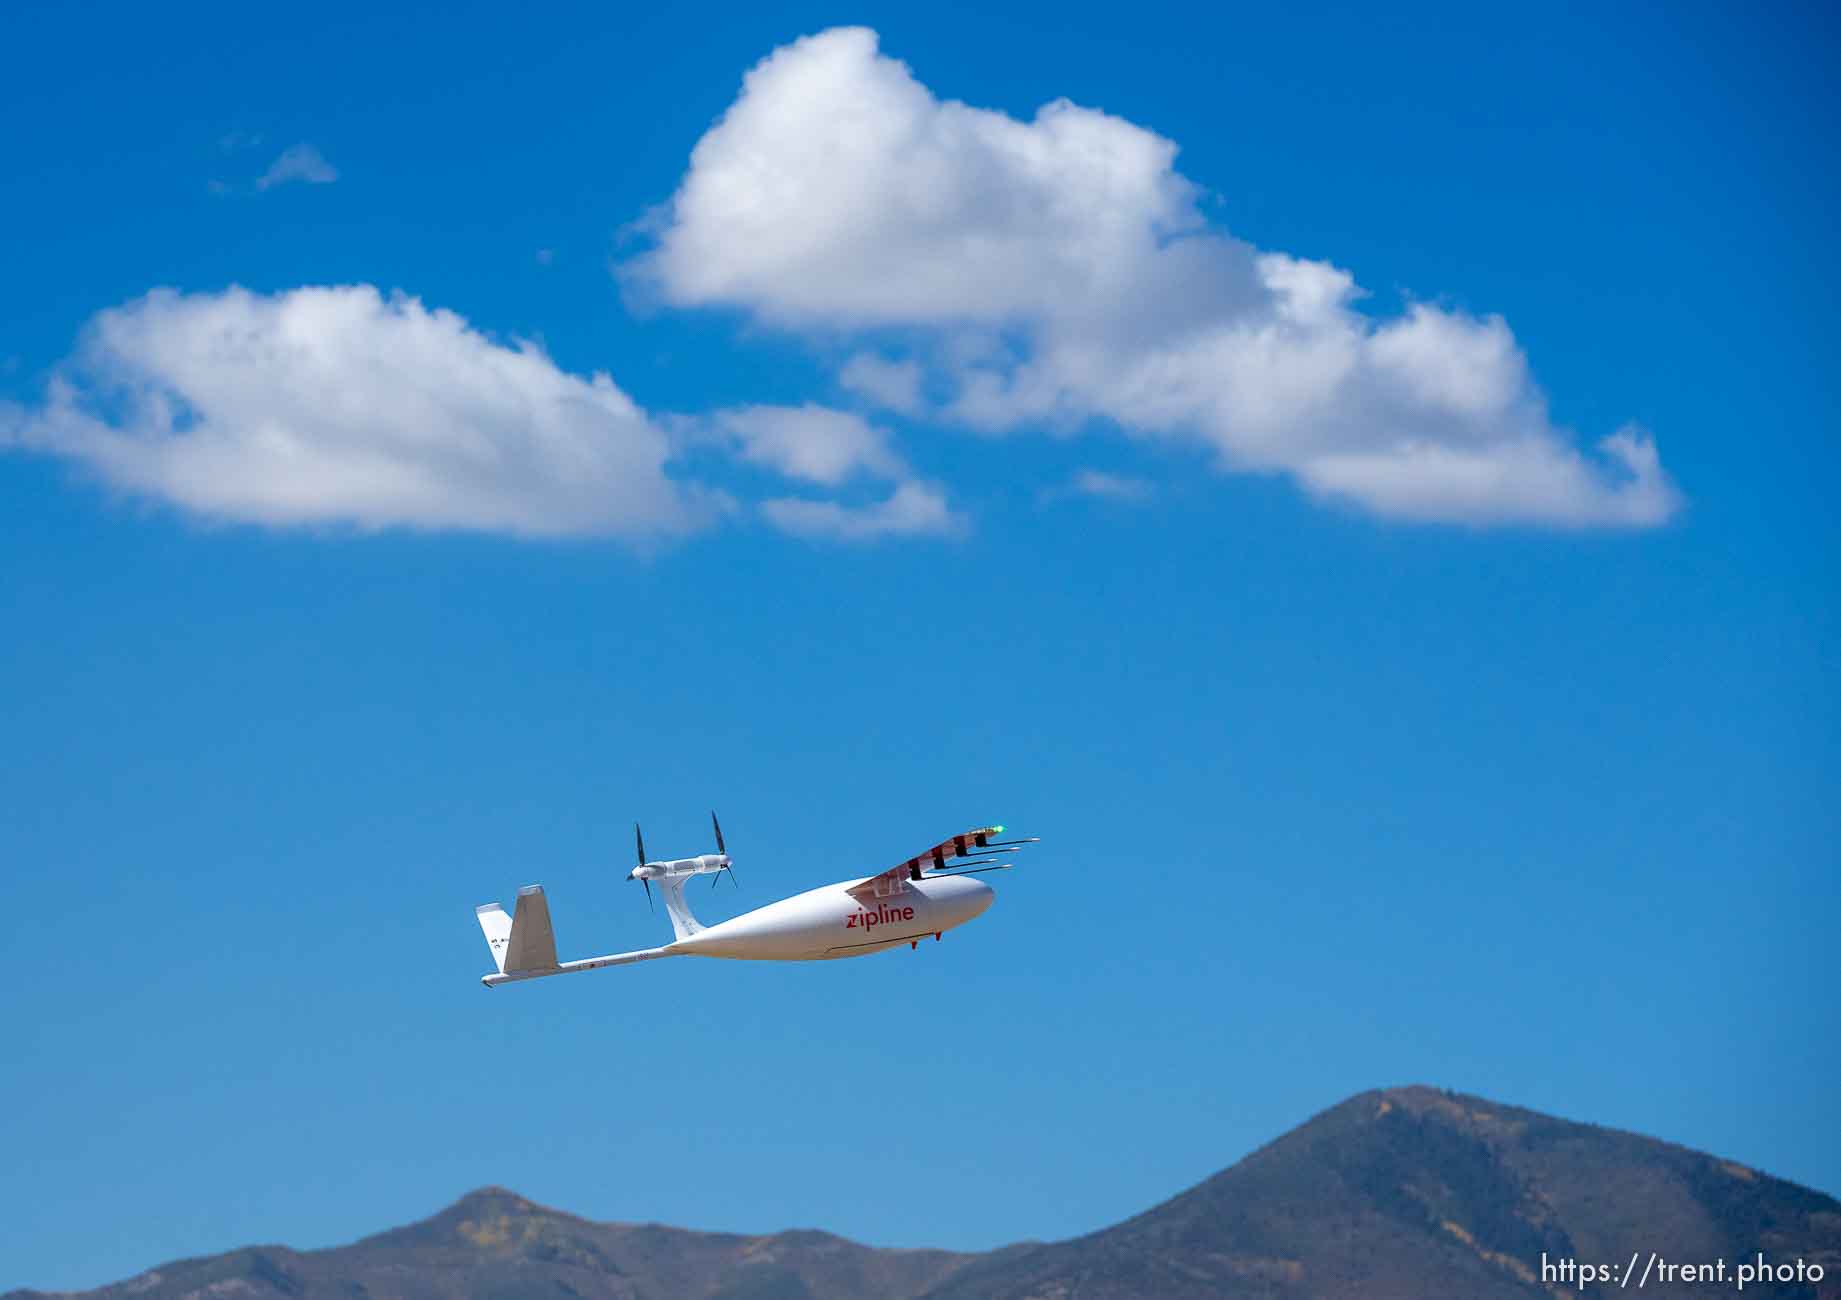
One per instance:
(913, 900)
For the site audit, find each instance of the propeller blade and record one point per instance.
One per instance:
(648, 884)
(724, 850)
(640, 841)
(1002, 866)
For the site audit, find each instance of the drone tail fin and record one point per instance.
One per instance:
(524, 940)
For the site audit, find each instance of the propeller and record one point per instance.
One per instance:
(722, 849)
(639, 842)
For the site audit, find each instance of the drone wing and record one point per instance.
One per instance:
(969, 851)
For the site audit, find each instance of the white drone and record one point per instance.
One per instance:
(913, 900)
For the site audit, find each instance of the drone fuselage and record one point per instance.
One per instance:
(832, 921)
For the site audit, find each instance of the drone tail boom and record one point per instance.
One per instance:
(524, 945)
(572, 967)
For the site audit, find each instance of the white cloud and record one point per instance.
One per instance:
(830, 448)
(913, 509)
(810, 442)
(892, 385)
(1059, 271)
(343, 406)
(1121, 488)
(1534, 481)
(300, 162)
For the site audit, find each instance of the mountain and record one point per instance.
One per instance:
(1413, 1192)
(1408, 1192)
(495, 1245)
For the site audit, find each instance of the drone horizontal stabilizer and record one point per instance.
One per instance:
(497, 925)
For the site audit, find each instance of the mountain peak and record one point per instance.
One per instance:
(495, 1200)
(1407, 1191)
(492, 1219)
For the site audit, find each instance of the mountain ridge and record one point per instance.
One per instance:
(1396, 1192)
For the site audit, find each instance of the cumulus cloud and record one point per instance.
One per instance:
(830, 449)
(348, 407)
(300, 162)
(912, 509)
(810, 442)
(1059, 272)
(891, 385)
(344, 406)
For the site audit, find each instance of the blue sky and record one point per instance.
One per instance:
(1383, 723)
